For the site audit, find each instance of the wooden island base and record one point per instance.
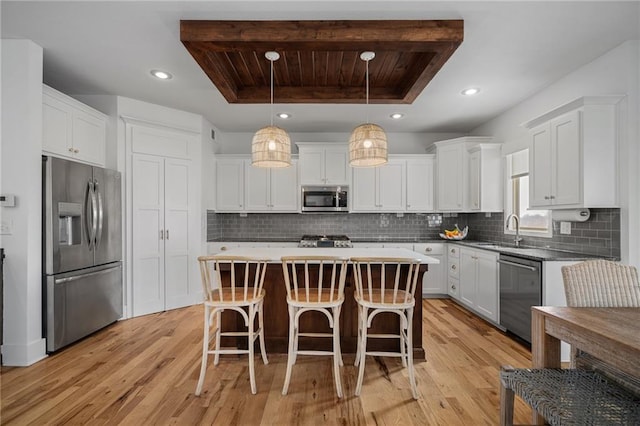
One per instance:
(276, 319)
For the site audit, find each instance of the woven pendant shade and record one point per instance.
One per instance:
(368, 142)
(367, 146)
(271, 147)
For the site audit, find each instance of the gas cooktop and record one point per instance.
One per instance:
(325, 241)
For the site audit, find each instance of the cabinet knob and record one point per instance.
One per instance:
(76, 151)
(223, 248)
(70, 149)
(453, 266)
(428, 249)
(452, 250)
(546, 197)
(553, 197)
(453, 287)
(408, 205)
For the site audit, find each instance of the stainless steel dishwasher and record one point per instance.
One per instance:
(520, 289)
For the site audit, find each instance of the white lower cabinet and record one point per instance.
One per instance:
(162, 199)
(479, 281)
(433, 281)
(453, 271)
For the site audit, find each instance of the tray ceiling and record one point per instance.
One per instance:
(320, 60)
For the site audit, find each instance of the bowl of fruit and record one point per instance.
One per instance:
(455, 233)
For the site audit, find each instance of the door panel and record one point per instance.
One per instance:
(257, 188)
(176, 243)
(568, 159)
(284, 188)
(65, 202)
(148, 223)
(540, 167)
(109, 244)
(390, 178)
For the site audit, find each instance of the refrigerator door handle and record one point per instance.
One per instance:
(90, 213)
(100, 213)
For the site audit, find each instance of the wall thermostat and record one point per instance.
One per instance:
(7, 200)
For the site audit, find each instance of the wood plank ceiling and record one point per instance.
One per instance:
(320, 60)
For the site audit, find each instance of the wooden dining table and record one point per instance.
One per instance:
(610, 334)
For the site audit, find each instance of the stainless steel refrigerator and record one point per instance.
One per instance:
(81, 250)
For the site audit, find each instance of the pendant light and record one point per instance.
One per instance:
(368, 142)
(271, 145)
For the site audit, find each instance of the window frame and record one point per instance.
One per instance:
(512, 194)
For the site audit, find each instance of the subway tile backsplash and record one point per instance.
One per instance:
(600, 235)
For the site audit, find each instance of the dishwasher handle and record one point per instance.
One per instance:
(517, 265)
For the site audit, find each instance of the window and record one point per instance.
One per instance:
(532, 222)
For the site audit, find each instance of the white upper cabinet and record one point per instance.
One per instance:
(420, 179)
(240, 187)
(485, 178)
(452, 174)
(574, 153)
(271, 190)
(323, 164)
(230, 184)
(72, 129)
(380, 189)
(469, 175)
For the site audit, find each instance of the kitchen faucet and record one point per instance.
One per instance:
(518, 238)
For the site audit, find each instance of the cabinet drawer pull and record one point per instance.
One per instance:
(428, 249)
(162, 234)
(223, 248)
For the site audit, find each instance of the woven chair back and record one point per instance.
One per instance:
(601, 283)
(231, 279)
(314, 279)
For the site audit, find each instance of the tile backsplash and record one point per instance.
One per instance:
(600, 235)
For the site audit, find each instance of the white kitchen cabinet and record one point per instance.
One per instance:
(379, 189)
(323, 164)
(469, 175)
(271, 189)
(230, 184)
(485, 178)
(453, 271)
(573, 155)
(434, 280)
(420, 183)
(162, 199)
(452, 174)
(479, 281)
(71, 129)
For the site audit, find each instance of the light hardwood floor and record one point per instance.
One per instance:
(144, 371)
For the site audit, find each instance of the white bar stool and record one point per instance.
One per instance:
(375, 294)
(243, 294)
(314, 283)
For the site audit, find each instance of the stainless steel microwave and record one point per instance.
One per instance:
(325, 198)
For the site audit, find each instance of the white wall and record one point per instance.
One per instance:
(22, 177)
(616, 72)
(399, 143)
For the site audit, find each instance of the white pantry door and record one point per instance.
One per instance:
(161, 203)
(147, 235)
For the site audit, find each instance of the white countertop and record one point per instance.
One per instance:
(275, 253)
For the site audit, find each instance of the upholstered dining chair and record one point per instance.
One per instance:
(600, 283)
(385, 284)
(314, 283)
(239, 288)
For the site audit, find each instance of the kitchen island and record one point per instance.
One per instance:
(276, 311)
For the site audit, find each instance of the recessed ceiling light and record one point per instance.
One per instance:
(396, 116)
(470, 91)
(162, 75)
(283, 115)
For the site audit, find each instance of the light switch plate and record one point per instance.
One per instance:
(6, 226)
(565, 228)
